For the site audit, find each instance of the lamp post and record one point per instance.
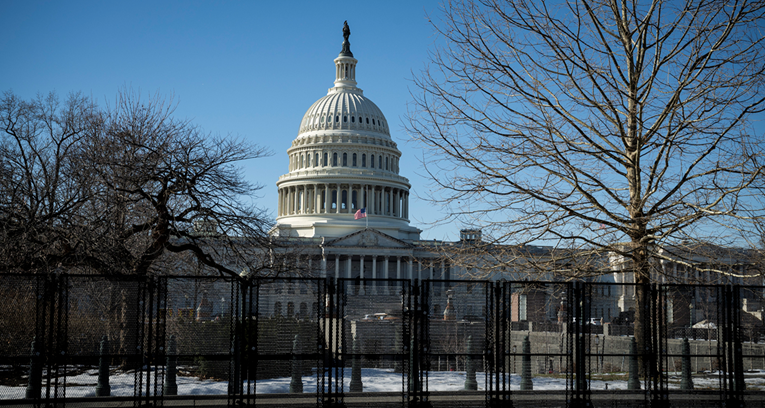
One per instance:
(691, 317)
(597, 353)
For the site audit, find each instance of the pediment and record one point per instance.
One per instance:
(368, 238)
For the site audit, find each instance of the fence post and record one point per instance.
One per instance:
(632, 382)
(356, 384)
(103, 389)
(296, 383)
(171, 387)
(526, 383)
(686, 381)
(470, 381)
(35, 373)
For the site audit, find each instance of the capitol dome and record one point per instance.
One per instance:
(342, 161)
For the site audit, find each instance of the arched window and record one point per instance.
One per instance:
(345, 159)
(325, 159)
(345, 118)
(301, 162)
(386, 162)
(372, 159)
(337, 118)
(303, 310)
(354, 160)
(353, 119)
(334, 159)
(316, 162)
(363, 160)
(290, 309)
(354, 200)
(334, 199)
(344, 204)
(379, 162)
(308, 160)
(367, 121)
(373, 121)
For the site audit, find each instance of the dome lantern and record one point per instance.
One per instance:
(345, 64)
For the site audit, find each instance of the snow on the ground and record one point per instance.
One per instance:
(373, 379)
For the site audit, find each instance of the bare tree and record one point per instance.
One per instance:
(120, 190)
(619, 127)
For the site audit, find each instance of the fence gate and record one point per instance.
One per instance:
(49, 346)
(149, 357)
(729, 348)
(498, 345)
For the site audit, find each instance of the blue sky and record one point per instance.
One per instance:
(248, 69)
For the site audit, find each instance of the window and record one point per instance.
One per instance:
(301, 161)
(334, 159)
(303, 309)
(363, 160)
(386, 163)
(367, 121)
(379, 162)
(337, 118)
(522, 308)
(353, 119)
(325, 159)
(278, 309)
(373, 121)
(354, 160)
(345, 159)
(344, 203)
(372, 158)
(345, 118)
(354, 200)
(290, 309)
(316, 162)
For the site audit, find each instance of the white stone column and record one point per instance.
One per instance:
(390, 201)
(410, 268)
(326, 198)
(386, 265)
(337, 267)
(279, 206)
(302, 198)
(396, 202)
(361, 274)
(374, 274)
(348, 270)
(295, 197)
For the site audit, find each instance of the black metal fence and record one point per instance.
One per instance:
(66, 337)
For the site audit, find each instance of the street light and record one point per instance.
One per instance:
(691, 317)
(597, 352)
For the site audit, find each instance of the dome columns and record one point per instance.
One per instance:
(343, 198)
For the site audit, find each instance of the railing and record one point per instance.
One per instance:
(147, 339)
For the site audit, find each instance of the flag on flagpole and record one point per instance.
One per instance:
(362, 213)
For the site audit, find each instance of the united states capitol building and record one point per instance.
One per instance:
(345, 206)
(343, 161)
